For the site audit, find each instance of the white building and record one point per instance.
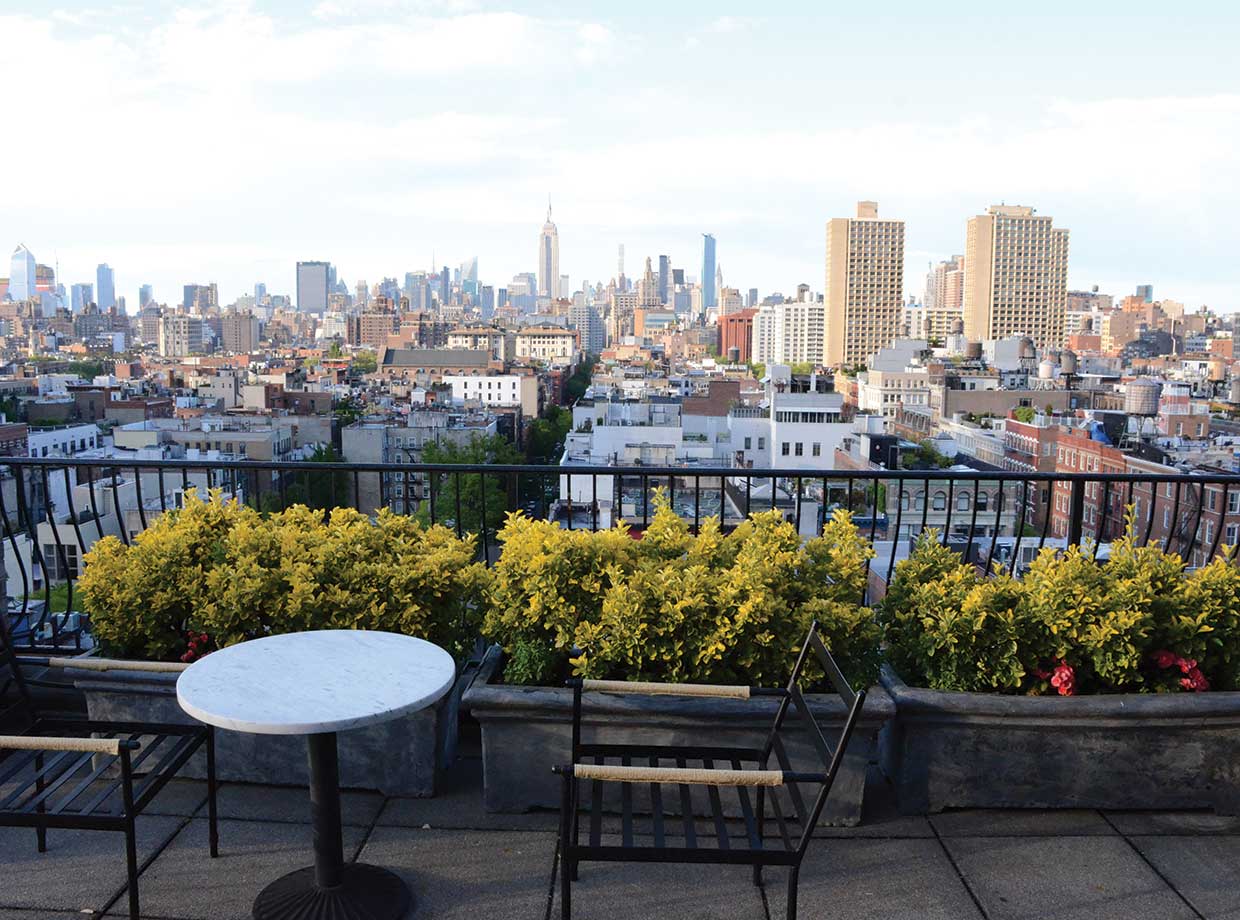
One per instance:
(502, 391)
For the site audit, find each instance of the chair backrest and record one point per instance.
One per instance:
(831, 755)
(17, 711)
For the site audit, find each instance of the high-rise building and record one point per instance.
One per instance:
(548, 259)
(260, 293)
(105, 287)
(864, 285)
(486, 301)
(1016, 276)
(945, 285)
(469, 276)
(1146, 292)
(665, 278)
(591, 329)
(709, 268)
(180, 336)
(239, 331)
(22, 274)
(751, 299)
(736, 331)
(312, 285)
(80, 295)
(145, 296)
(199, 298)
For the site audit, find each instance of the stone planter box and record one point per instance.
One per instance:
(528, 730)
(1119, 751)
(402, 757)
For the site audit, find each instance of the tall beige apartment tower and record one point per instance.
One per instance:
(865, 285)
(1016, 276)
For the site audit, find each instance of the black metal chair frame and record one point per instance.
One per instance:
(87, 774)
(743, 769)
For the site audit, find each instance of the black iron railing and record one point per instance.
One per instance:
(54, 509)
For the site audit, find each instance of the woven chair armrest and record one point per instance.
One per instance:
(678, 775)
(116, 664)
(724, 691)
(81, 745)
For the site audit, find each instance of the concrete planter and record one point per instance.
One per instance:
(527, 730)
(1118, 751)
(402, 757)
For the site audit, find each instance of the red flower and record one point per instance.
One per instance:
(1164, 658)
(1064, 679)
(1186, 664)
(1195, 681)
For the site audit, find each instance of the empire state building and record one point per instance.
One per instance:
(549, 259)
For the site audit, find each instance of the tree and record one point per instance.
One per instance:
(318, 490)
(1024, 413)
(365, 362)
(580, 381)
(758, 369)
(544, 441)
(349, 411)
(472, 491)
(335, 351)
(926, 456)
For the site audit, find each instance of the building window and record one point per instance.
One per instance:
(748, 442)
(783, 449)
(1233, 502)
(817, 449)
(962, 501)
(761, 443)
(800, 449)
(983, 501)
(939, 501)
(1233, 534)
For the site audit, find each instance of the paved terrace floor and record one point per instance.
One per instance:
(463, 863)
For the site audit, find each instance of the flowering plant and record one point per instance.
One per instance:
(1137, 622)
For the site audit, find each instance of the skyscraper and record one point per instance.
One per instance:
(260, 291)
(709, 293)
(80, 295)
(22, 274)
(105, 287)
(469, 276)
(1146, 292)
(665, 277)
(864, 285)
(548, 259)
(1016, 276)
(312, 284)
(145, 296)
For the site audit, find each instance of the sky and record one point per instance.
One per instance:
(224, 141)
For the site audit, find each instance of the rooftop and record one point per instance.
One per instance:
(462, 862)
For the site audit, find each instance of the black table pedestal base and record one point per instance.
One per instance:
(364, 893)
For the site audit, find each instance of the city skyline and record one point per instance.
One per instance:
(1134, 161)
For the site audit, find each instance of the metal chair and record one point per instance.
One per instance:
(88, 774)
(740, 770)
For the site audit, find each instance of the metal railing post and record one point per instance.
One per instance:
(1076, 512)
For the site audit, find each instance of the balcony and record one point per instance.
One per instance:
(461, 860)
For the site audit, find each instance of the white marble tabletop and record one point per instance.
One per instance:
(324, 681)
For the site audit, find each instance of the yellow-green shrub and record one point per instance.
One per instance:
(235, 574)
(678, 606)
(1135, 622)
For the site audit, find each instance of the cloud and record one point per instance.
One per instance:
(727, 24)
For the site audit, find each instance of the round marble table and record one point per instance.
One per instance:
(317, 684)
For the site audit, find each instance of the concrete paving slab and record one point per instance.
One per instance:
(1205, 870)
(1187, 823)
(184, 882)
(1018, 822)
(874, 880)
(243, 802)
(655, 891)
(1091, 878)
(459, 806)
(468, 874)
(81, 870)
